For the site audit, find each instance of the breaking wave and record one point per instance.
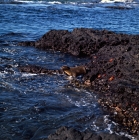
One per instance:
(47, 1)
(64, 1)
(116, 1)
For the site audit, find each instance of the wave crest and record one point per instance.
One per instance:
(115, 1)
(48, 1)
(64, 1)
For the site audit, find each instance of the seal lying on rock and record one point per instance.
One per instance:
(74, 71)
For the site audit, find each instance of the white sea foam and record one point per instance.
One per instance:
(66, 2)
(28, 74)
(109, 124)
(55, 2)
(86, 99)
(23, 1)
(114, 1)
(31, 1)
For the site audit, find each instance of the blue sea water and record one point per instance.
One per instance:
(33, 106)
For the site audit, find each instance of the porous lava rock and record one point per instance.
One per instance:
(65, 133)
(79, 42)
(113, 70)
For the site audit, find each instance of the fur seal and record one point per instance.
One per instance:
(74, 71)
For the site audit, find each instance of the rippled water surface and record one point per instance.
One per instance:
(34, 105)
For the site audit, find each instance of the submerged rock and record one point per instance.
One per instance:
(119, 7)
(113, 70)
(38, 70)
(65, 133)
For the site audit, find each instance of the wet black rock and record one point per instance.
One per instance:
(79, 42)
(113, 70)
(65, 133)
(119, 7)
(38, 70)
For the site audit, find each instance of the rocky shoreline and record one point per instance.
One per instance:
(113, 70)
(65, 133)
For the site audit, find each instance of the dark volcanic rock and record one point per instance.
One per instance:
(113, 69)
(118, 79)
(119, 7)
(79, 42)
(38, 70)
(65, 133)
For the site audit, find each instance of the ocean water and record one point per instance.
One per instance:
(31, 105)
